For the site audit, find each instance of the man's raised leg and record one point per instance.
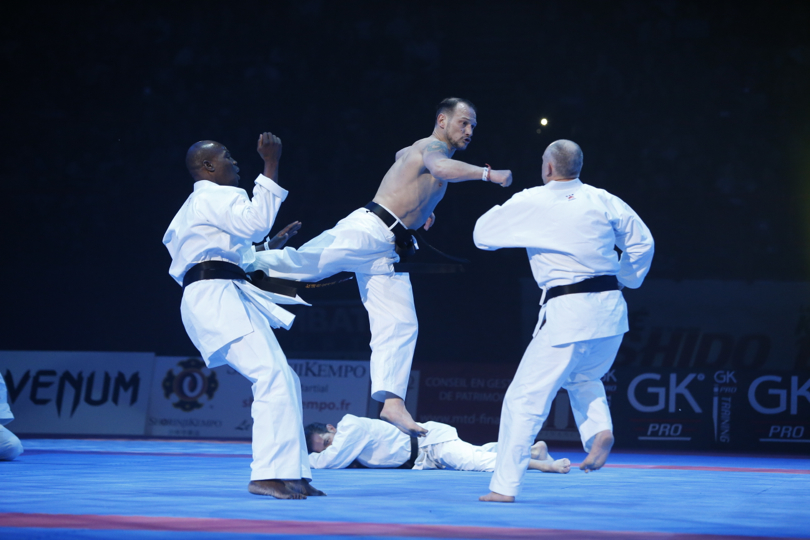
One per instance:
(388, 298)
(394, 412)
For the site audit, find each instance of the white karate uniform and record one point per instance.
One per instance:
(569, 230)
(231, 321)
(361, 243)
(10, 445)
(377, 444)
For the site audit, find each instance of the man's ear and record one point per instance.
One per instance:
(441, 120)
(330, 428)
(208, 166)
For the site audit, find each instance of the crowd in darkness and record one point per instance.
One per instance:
(695, 113)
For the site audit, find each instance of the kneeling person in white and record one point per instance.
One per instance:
(10, 445)
(379, 445)
(569, 230)
(229, 320)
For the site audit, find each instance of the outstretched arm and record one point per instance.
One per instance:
(496, 228)
(436, 157)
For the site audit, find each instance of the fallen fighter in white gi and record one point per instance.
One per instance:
(376, 444)
(364, 243)
(569, 230)
(228, 319)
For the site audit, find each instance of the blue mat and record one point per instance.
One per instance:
(181, 490)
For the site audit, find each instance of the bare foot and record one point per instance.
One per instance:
(394, 412)
(540, 451)
(602, 443)
(303, 487)
(273, 488)
(496, 497)
(561, 466)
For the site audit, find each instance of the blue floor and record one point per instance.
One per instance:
(121, 489)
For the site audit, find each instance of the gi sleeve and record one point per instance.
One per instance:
(349, 441)
(497, 228)
(636, 242)
(232, 211)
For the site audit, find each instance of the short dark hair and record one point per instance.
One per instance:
(567, 157)
(315, 428)
(448, 106)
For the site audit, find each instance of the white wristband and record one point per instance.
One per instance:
(485, 175)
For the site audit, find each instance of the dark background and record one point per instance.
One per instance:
(695, 113)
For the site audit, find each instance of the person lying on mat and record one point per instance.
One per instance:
(377, 444)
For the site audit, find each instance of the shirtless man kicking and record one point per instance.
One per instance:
(379, 445)
(365, 243)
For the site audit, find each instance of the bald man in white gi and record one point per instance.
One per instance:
(365, 243)
(379, 445)
(10, 445)
(228, 319)
(569, 230)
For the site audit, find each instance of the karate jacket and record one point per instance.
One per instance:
(569, 230)
(220, 223)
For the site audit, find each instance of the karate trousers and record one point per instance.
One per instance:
(460, 455)
(544, 369)
(279, 447)
(361, 243)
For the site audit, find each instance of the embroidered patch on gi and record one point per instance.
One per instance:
(570, 197)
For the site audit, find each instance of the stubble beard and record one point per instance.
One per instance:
(457, 144)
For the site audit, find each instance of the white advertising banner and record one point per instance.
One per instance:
(333, 388)
(77, 393)
(190, 400)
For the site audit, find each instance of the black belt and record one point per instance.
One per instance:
(213, 270)
(594, 284)
(228, 270)
(404, 237)
(407, 465)
(414, 454)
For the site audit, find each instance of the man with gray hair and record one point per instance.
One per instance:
(569, 230)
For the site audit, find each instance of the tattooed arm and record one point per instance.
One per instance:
(437, 160)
